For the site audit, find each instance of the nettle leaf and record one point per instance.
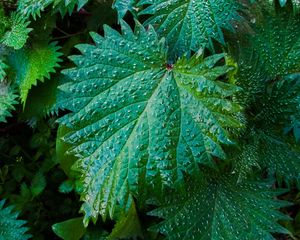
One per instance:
(3, 66)
(33, 65)
(43, 98)
(191, 25)
(267, 151)
(269, 74)
(35, 7)
(8, 98)
(128, 226)
(276, 154)
(10, 227)
(123, 6)
(278, 103)
(38, 184)
(17, 34)
(219, 208)
(71, 229)
(138, 121)
(277, 43)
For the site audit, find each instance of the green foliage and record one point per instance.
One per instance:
(171, 119)
(269, 70)
(7, 100)
(277, 43)
(10, 227)
(176, 100)
(123, 6)
(3, 66)
(43, 97)
(191, 25)
(127, 226)
(33, 65)
(296, 4)
(72, 229)
(18, 31)
(35, 7)
(38, 184)
(218, 208)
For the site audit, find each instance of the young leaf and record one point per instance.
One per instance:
(189, 24)
(72, 229)
(219, 208)
(32, 65)
(67, 186)
(128, 226)
(8, 98)
(10, 227)
(138, 121)
(38, 184)
(17, 35)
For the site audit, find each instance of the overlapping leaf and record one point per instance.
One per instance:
(269, 74)
(7, 100)
(10, 227)
(138, 121)
(34, 64)
(191, 25)
(123, 6)
(35, 7)
(3, 66)
(219, 208)
(277, 43)
(266, 150)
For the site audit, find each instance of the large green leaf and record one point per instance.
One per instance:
(138, 121)
(189, 24)
(33, 65)
(219, 208)
(10, 227)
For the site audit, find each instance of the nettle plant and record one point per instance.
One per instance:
(179, 121)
